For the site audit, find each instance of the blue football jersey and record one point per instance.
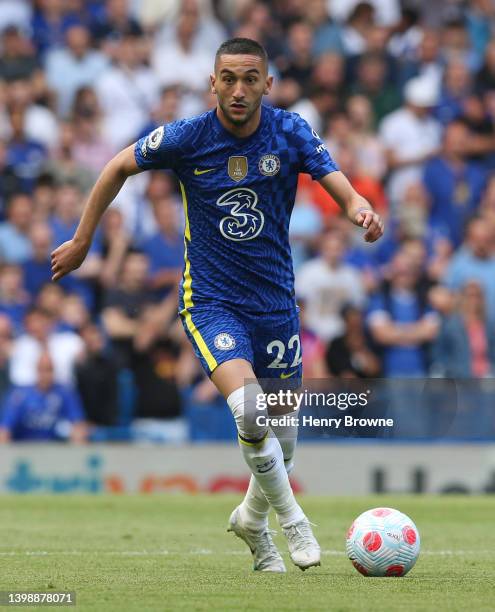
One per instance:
(238, 195)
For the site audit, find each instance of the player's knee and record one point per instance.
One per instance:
(249, 412)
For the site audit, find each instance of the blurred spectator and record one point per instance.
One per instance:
(114, 22)
(14, 300)
(139, 220)
(327, 34)
(96, 373)
(50, 22)
(158, 414)
(350, 355)
(475, 261)
(50, 299)
(369, 150)
(299, 63)
(17, 60)
(406, 35)
(411, 124)
(427, 62)
(312, 348)
(40, 335)
(180, 61)
(326, 284)
(466, 343)
(401, 321)
(72, 67)
(454, 185)
(25, 155)
(209, 33)
(116, 243)
(63, 222)
(329, 74)
(456, 43)
(124, 305)
(359, 22)
(167, 109)
(367, 186)
(127, 92)
(480, 19)
(485, 79)
(44, 411)
(6, 337)
(43, 197)
(10, 184)
(305, 227)
(457, 86)
(74, 314)
(37, 269)
(90, 149)
(15, 13)
(39, 122)
(387, 11)
(257, 20)
(15, 246)
(63, 167)
(165, 249)
(315, 107)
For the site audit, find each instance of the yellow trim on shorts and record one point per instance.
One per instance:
(188, 301)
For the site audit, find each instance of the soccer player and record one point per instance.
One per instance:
(238, 167)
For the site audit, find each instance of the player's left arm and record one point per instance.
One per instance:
(358, 209)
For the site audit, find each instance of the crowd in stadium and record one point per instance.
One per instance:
(403, 95)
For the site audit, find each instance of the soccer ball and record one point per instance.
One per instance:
(383, 542)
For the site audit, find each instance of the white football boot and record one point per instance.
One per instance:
(303, 548)
(265, 554)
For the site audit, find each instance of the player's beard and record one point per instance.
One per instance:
(251, 110)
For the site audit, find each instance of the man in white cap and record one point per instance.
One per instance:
(411, 136)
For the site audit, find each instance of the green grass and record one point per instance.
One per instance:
(173, 553)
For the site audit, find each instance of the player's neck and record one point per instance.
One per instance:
(240, 131)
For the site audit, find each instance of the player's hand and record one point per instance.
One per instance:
(370, 221)
(67, 257)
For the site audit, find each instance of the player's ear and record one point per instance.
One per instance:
(268, 85)
(212, 84)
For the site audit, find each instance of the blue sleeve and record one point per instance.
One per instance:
(314, 158)
(72, 406)
(161, 148)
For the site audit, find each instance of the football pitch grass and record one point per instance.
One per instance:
(161, 553)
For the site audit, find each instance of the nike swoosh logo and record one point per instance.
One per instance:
(197, 172)
(284, 375)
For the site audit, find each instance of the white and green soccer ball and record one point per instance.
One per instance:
(383, 542)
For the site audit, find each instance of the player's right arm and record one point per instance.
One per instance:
(70, 255)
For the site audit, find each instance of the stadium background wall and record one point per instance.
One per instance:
(356, 469)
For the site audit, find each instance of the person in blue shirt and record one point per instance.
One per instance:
(165, 248)
(42, 412)
(454, 184)
(475, 261)
(238, 167)
(15, 245)
(24, 155)
(401, 322)
(37, 268)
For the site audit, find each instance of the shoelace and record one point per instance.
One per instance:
(266, 548)
(303, 530)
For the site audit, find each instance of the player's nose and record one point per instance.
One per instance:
(238, 93)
